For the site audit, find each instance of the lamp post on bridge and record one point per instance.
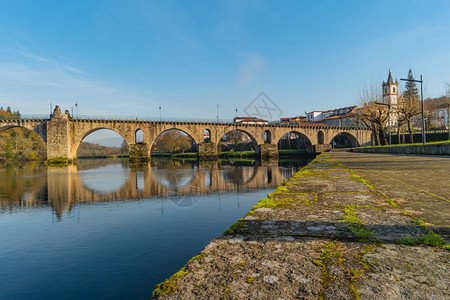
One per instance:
(217, 113)
(424, 138)
(389, 119)
(160, 113)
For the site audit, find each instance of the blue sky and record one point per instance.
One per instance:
(125, 58)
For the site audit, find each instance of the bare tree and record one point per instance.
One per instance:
(408, 108)
(373, 115)
(447, 104)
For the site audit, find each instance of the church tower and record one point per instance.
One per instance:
(390, 96)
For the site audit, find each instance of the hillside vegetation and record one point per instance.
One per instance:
(19, 143)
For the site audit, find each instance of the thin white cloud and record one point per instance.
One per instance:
(252, 68)
(29, 81)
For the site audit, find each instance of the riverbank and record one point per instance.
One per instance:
(285, 153)
(328, 233)
(433, 148)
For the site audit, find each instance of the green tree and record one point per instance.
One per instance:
(410, 87)
(409, 104)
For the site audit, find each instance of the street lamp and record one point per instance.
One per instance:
(424, 139)
(160, 113)
(389, 119)
(217, 113)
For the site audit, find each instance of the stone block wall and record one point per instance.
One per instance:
(207, 151)
(268, 151)
(433, 149)
(139, 152)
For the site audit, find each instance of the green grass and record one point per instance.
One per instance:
(240, 154)
(430, 239)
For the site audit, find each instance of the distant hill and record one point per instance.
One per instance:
(109, 142)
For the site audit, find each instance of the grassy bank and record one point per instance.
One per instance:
(402, 145)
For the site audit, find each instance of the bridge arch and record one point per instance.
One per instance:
(27, 126)
(320, 138)
(344, 140)
(206, 135)
(139, 136)
(304, 141)
(267, 137)
(83, 135)
(247, 133)
(183, 130)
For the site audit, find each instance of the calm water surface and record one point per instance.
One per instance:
(105, 229)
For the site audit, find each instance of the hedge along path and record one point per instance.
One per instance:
(326, 234)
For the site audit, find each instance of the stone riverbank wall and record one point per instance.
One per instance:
(428, 149)
(325, 234)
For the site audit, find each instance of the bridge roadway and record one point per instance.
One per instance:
(63, 134)
(65, 187)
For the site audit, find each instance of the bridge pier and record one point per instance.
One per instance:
(139, 152)
(207, 151)
(322, 148)
(59, 133)
(268, 151)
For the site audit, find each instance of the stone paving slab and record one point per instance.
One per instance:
(327, 234)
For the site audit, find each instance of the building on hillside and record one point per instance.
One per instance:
(436, 113)
(250, 120)
(439, 117)
(345, 116)
(292, 121)
(318, 115)
(390, 96)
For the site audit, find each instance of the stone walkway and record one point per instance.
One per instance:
(419, 184)
(327, 234)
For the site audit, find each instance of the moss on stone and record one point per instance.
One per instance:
(170, 285)
(238, 224)
(250, 279)
(329, 254)
(57, 162)
(356, 226)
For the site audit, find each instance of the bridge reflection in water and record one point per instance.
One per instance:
(91, 181)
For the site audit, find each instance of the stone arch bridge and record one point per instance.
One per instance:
(63, 134)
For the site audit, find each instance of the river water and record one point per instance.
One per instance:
(106, 229)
